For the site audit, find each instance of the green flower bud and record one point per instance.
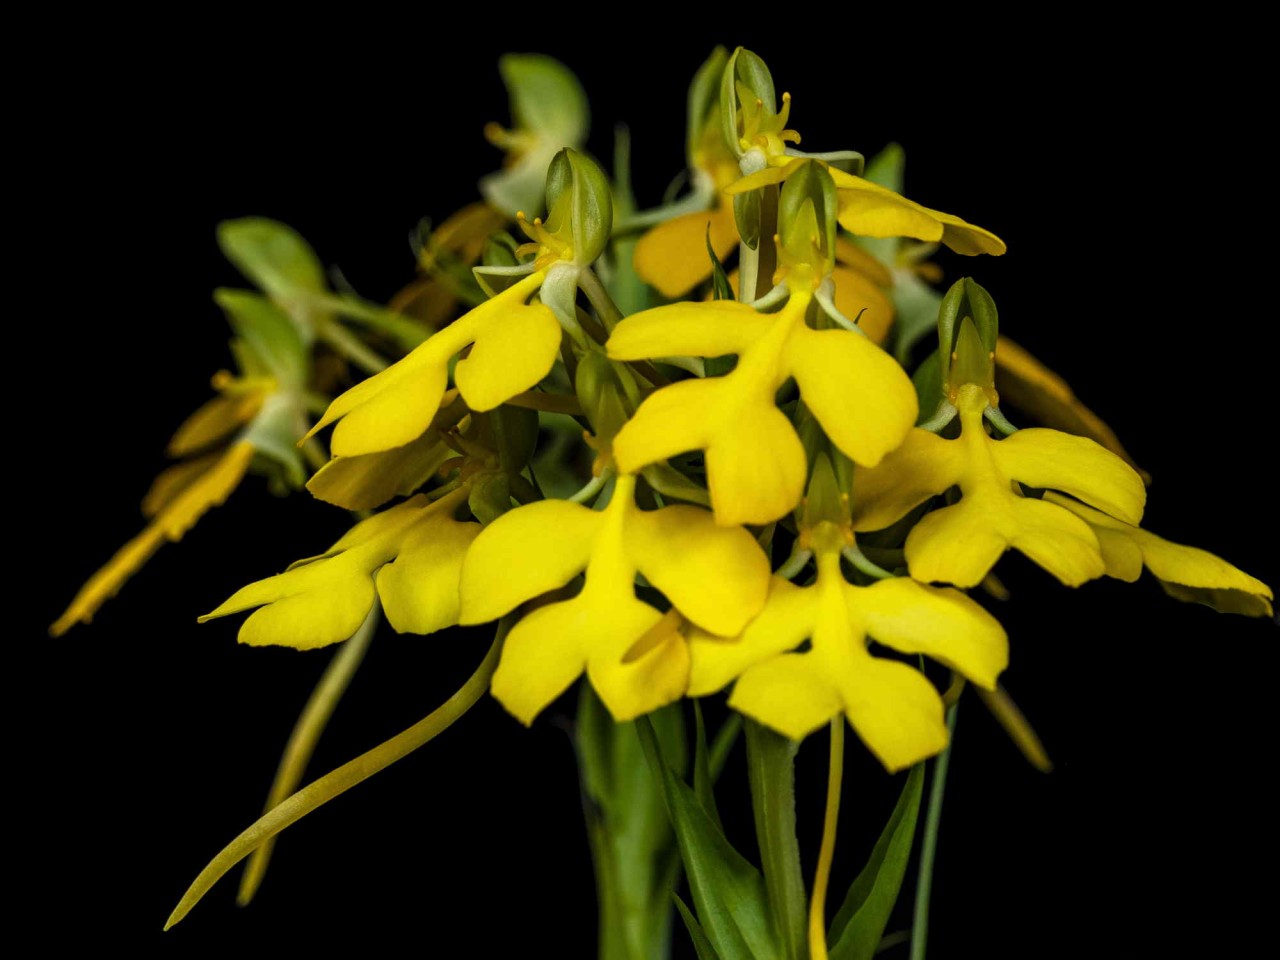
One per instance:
(968, 326)
(581, 205)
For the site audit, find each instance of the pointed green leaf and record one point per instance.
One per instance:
(859, 923)
(704, 96)
(701, 945)
(771, 766)
(703, 784)
(728, 892)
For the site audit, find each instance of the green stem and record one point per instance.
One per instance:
(599, 298)
(404, 331)
(929, 847)
(822, 876)
(350, 346)
(302, 741)
(771, 765)
(320, 792)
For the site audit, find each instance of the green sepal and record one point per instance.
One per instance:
(701, 945)
(632, 843)
(743, 70)
(728, 892)
(674, 485)
(274, 434)
(276, 258)
(490, 497)
(966, 300)
(268, 334)
(500, 251)
(810, 188)
(859, 924)
(746, 212)
(546, 97)
(600, 393)
(927, 379)
(703, 99)
(580, 202)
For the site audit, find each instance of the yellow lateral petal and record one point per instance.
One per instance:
(523, 554)
(941, 623)
(215, 420)
(856, 294)
(896, 711)
(1046, 458)
(923, 466)
(1123, 557)
(787, 693)
(716, 576)
(709, 329)
(543, 654)
(675, 419)
(755, 466)
(210, 489)
(393, 407)
(786, 620)
(870, 210)
(1032, 387)
(652, 670)
(957, 544)
(673, 255)
(368, 481)
(763, 178)
(419, 589)
(511, 354)
(859, 393)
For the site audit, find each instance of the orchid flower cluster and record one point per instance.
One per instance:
(670, 453)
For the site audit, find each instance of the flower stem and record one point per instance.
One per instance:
(821, 876)
(929, 847)
(321, 791)
(599, 298)
(302, 741)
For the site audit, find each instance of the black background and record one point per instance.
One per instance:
(1128, 180)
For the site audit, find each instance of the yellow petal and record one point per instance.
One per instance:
(419, 589)
(923, 466)
(368, 481)
(675, 419)
(173, 480)
(941, 623)
(511, 354)
(673, 255)
(716, 576)
(755, 466)
(324, 600)
(709, 329)
(786, 620)
(523, 554)
(764, 178)
(856, 294)
(542, 655)
(177, 516)
(395, 406)
(1035, 389)
(896, 711)
(1046, 458)
(870, 210)
(959, 544)
(1185, 572)
(214, 421)
(652, 671)
(787, 693)
(859, 393)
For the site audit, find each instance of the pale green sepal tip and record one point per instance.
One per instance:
(274, 339)
(271, 254)
(546, 97)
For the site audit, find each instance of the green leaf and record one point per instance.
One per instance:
(273, 255)
(728, 892)
(703, 783)
(720, 285)
(267, 333)
(704, 94)
(771, 765)
(701, 945)
(859, 923)
(927, 380)
(632, 843)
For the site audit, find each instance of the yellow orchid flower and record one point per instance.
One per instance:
(960, 543)
(635, 657)
(755, 462)
(513, 345)
(410, 557)
(893, 707)
(1185, 573)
